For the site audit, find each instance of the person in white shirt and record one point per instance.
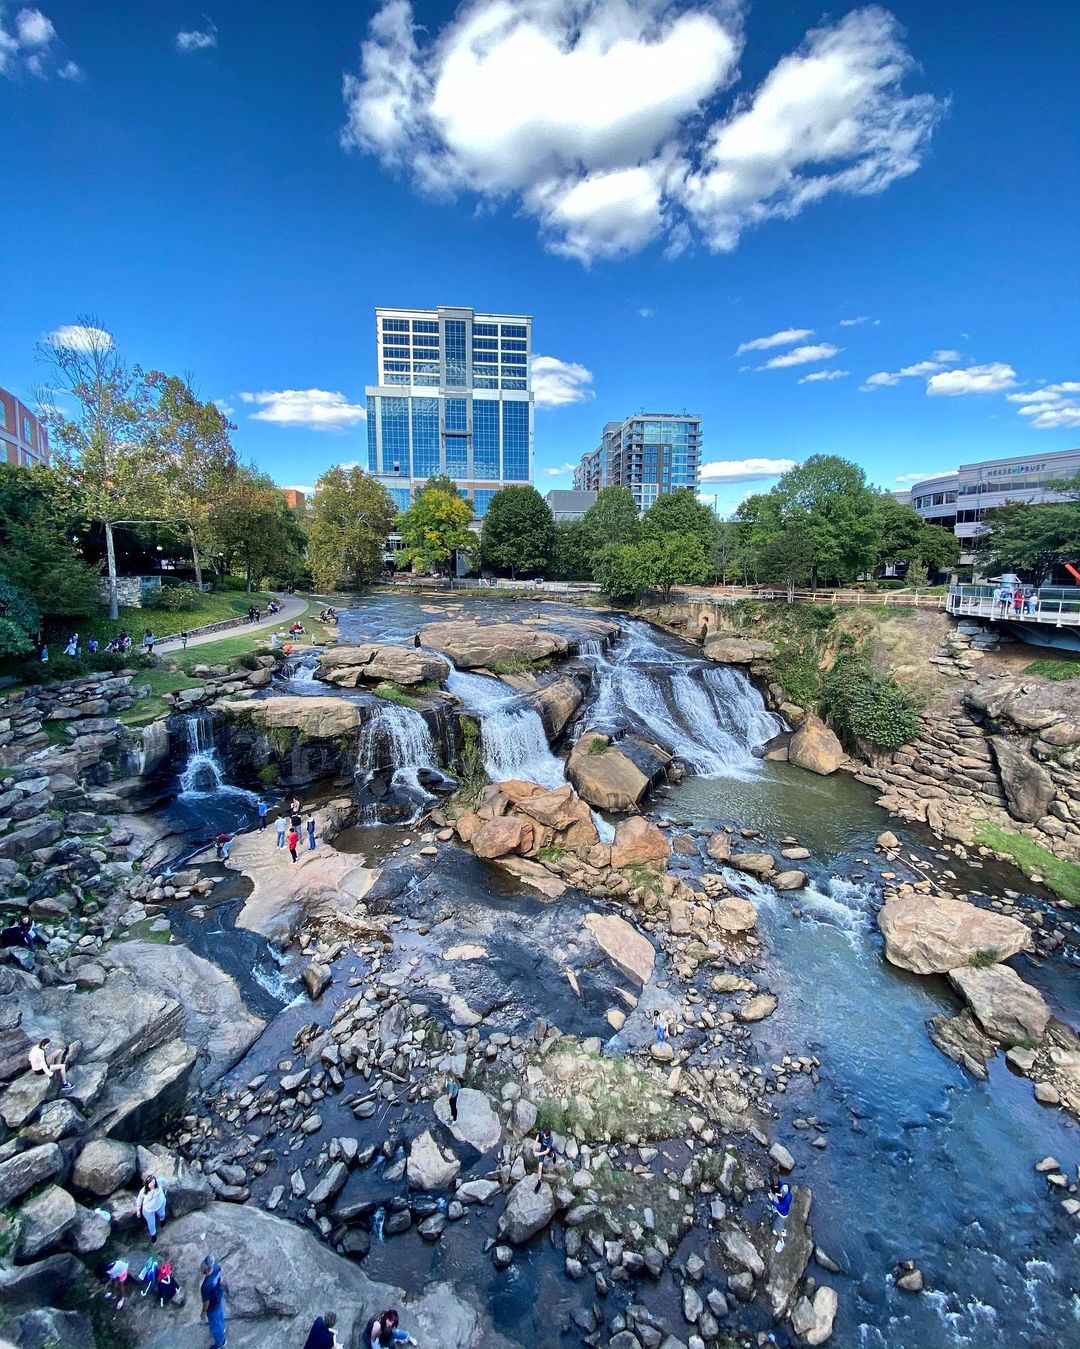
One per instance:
(150, 1205)
(41, 1061)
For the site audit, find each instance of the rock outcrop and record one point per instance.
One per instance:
(815, 747)
(929, 935)
(615, 776)
(528, 1211)
(317, 718)
(729, 650)
(352, 666)
(632, 952)
(638, 842)
(1028, 786)
(1008, 1009)
(471, 645)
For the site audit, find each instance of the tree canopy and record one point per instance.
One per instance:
(436, 525)
(37, 543)
(611, 519)
(1033, 538)
(350, 518)
(518, 534)
(251, 528)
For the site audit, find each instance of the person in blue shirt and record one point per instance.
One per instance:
(780, 1201)
(212, 1292)
(323, 1334)
(261, 808)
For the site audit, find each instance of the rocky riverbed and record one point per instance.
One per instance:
(518, 943)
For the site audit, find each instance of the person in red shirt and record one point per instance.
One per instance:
(292, 838)
(1018, 601)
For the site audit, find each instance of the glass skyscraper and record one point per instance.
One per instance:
(454, 396)
(651, 453)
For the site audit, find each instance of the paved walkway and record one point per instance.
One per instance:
(292, 607)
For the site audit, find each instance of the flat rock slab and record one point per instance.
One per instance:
(929, 935)
(477, 1123)
(627, 948)
(1008, 1009)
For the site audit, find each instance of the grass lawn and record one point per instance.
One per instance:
(1062, 667)
(215, 607)
(154, 705)
(1033, 860)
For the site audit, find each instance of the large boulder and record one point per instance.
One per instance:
(528, 1211)
(761, 864)
(1028, 787)
(504, 835)
(349, 666)
(213, 1015)
(477, 1123)
(734, 915)
(608, 780)
(561, 811)
(470, 644)
(812, 1319)
(27, 1169)
(48, 1328)
(639, 843)
(428, 1168)
(22, 1100)
(1005, 1006)
(732, 650)
(314, 718)
(187, 1189)
(44, 1222)
(627, 948)
(136, 1103)
(557, 702)
(787, 1265)
(930, 935)
(280, 1277)
(103, 1166)
(815, 747)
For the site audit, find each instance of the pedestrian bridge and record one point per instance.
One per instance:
(1051, 616)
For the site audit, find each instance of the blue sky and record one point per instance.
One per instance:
(663, 187)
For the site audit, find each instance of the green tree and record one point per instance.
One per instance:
(680, 512)
(20, 619)
(786, 558)
(673, 559)
(435, 526)
(36, 542)
(828, 500)
(104, 455)
(191, 439)
(620, 571)
(1030, 538)
(518, 534)
(349, 520)
(612, 518)
(904, 536)
(571, 553)
(249, 526)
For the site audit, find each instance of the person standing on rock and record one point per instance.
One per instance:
(262, 808)
(292, 838)
(780, 1201)
(323, 1333)
(452, 1089)
(384, 1330)
(150, 1205)
(311, 833)
(543, 1150)
(660, 1028)
(282, 825)
(212, 1292)
(223, 842)
(41, 1061)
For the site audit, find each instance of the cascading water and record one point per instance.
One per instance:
(515, 743)
(301, 669)
(397, 741)
(710, 717)
(203, 775)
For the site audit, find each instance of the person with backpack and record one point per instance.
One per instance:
(780, 1201)
(150, 1205)
(323, 1333)
(384, 1330)
(212, 1292)
(543, 1150)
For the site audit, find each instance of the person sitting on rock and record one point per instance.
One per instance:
(323, 1333)
(165, 1285)
(543, 1150)
(41, 1061)
(384, 1330)
(780, 1200)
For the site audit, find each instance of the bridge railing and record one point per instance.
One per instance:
(1056, 605)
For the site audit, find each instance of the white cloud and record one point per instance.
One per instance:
(557, 383)
(29, 46)
(645, 312)
(783, 338)
(79, 337)
(225, 408)
(946, 357)
(1051, 408)
(197, 39)
(820, 351)
(313, 409)
(600, 117)
(816, 376)
(308, 489)
(994, 377)
(886, 378)
(922, 477)
(744, 470)
(855, 322)
(560, 470)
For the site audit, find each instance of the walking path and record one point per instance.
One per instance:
(291, 607)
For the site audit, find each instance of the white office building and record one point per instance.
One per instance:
(454, 396)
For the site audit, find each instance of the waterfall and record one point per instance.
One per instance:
(710, 716)
(203, 775)
(397, 741)
(513, 736)
(590, 646)
(300, 669)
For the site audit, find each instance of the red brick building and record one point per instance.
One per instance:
(293, 497)
(24, 441)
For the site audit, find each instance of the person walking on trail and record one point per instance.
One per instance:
(262, 808)
(148, 641)
(385, 1330)
(282, 825)
(780, 1202)
(323, 1333)
(311, 833)
(292, 838)
(543, 1150)
(48, 1065)
(150, 1205)
(212, 1292)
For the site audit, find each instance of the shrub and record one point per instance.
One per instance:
(982, 960)
(268, 774)
(798, 675)
(865, 706)
(597, 745)
(83, 666)
(174, 598)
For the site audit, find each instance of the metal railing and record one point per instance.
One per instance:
(1058, 606)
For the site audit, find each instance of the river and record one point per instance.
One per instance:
(921, 1161)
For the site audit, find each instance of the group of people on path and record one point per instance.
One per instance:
(289, 825)
(1021, 599)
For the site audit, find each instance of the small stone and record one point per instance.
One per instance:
(1047, 1094)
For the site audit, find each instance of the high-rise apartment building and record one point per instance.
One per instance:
(454, 396)
(650, 452)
